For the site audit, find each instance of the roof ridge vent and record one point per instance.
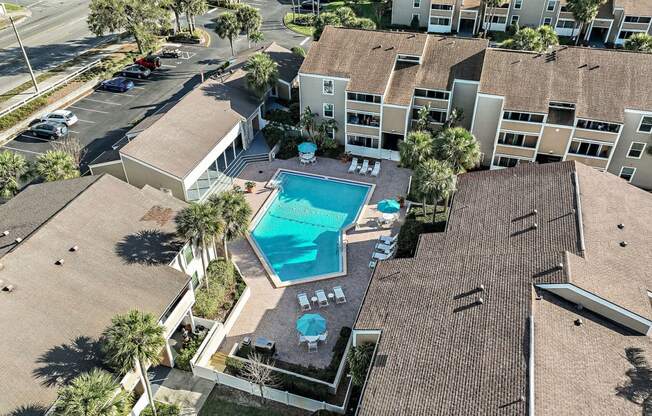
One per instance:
(74, 248)
(59, 262)
(621, 226)
(594, 67)
(8, 288)
(623, 243)
(377, 47)
(5, 233)
(18, 240)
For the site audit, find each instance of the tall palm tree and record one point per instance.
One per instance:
(423, 118)
(227, 27)
(134, 339)
(249, 19)
(308, 121)
(56, 165)
(434, 180)
(12, 167)
(416, 148)
(490, 4)
(458, 147)
(200, 222)
(548, 36)
(95, 393)
(194, 8)
(584, 11)
(262, 73)
(235, 213)
(639, 42)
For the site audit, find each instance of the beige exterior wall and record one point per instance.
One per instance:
(366, 131)
(311, 96)
(441, 13)
(595, 163)
(515, 151)
(463, 97)
(529, 14)
(113, 169)
(554, 141)
(601, 23)
(487, 115)
(566, 16)
(643, 174)
(431, 102)
(402, 11)
(366, 107)
(468, 15)
(140, 175)
(521, 126)
(596, 135)
(393, 120)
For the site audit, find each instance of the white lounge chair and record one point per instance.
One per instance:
(303, 301)
(382, 256)
(321, 298)
(386, 247)
(302, 339)
(312, 346)
(376, 170)
(339, 294)
(365, 167)
(354, 165)
(323, 336)
(386, 239)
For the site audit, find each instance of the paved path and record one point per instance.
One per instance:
(171, 385)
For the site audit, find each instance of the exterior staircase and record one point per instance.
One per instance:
(218, 361)
(235, 169)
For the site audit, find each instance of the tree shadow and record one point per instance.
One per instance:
(148, 247)
(62, 363)
(29, 410)
(638, 389)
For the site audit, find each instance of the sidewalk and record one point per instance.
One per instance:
(171, 385)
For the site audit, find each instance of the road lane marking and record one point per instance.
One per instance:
(88, 109)
(211, 11)
(303, 42)
(21, 150)
(99, 101)
(85, 121)
(168, 66)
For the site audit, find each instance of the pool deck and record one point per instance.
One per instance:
(272, 312)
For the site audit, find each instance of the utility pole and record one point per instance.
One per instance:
(3, 12)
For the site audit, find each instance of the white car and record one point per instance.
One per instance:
(61, 116)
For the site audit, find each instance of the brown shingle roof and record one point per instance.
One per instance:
(602, 83)
(56, 312)
(635, 7)
(288, 62)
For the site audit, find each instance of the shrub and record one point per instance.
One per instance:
(187, 352)
(233, 365)
(359, 359)
(303, 20)
(163, 409)
(299, 51)
(279, 116)
(273, 134)
(288, 148)
(408, 237)
(209, 303)
(295, 112)
(222, 272)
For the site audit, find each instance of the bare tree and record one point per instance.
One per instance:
(258, 370)
(71, 146)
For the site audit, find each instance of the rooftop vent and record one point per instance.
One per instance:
(480, 301)
(412, 35)
(5, 233)
(578, 322)
(621, 226)
(623, 243)
(535, 225)
(594, 67)
(560, 266)
(535, 211)
(74, 248)
(481, 288)
(59, 262)
(18, 240)
(8, 288)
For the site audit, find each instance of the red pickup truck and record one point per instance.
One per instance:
(150, 62)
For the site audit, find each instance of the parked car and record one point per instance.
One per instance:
(307, 6)
(170, 53)
(135, 71)
(49, 129)
(61, 116)
(119, 84)
(150, 62)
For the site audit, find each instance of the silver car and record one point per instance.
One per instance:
(135, 71)
(61, 116)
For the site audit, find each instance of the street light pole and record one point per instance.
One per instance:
(3, 12)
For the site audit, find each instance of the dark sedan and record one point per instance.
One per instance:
(118, 84)
(49, 129)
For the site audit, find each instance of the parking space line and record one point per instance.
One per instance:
(88, 109)
(34, 137)
(99, 101)
(168, 66)
(21, 150)
(85, 121)
(74, 131)
(139, 88)
(303, 42)
(211, 11)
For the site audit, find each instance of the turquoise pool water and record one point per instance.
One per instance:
(299, 233)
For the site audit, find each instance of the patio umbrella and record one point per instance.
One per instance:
(307, 147)
(389, 206)
(311, 324)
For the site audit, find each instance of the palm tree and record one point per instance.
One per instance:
(134, 339)
(200, 222)
(235, 213)
(434, 180)
(12, 167)
(416, 148)
(639, 42)
(249, 19)
(95, 393)
(262, 73)
(584, 11)
(227, 27)
(194, 8)
(458, 147)
(423, 118)
(548, 36)
(257, 37)
(177, 7)
(55, 165)
(308, 121)
(490, 4)
(526, 39)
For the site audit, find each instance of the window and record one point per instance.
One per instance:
(362, 119)
(188, 256)
(435, 116)
(625, 34)
(329, 110)
(514, 20)
(566, 24)
(365, 98)
(441, 7)
(627, 173)
(438, 95)
(416, 17)
(528, 117)
(330, 132)
(440, 21)
(409, 58)
(328, 87)
(363, 141)
(597, 125)
(496, 19)
(646, 125)
(637, 19)
(416, 4)
(517, 139)
(636, 150)
(551, 6)
(591, 149)
(195, 280)
(506, 161)
(518, 4)
(547, 21)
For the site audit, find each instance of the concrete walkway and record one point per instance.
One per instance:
(181, 387)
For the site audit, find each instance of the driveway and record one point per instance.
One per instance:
(171, 385)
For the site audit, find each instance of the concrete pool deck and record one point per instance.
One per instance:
(272, 312)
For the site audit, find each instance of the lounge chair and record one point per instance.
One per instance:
(372, 264)
(386, 247)
(376, 170)
(303, 301)
(312, 346)
(354, 165)
(382, 256)
(365, 167)
(323, 336)
(321, 298)
(386, 239)
(339, 294)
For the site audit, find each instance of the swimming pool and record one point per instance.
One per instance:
(298, 233)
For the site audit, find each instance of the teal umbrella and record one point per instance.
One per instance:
(311, 325)
(389, 206)
(307, 147)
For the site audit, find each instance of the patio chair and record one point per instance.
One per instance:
(354, 165)
(312, 346)
(376, 170)
(387, 239)
(321, 298)
(302, 339)
(323, 337)
(339, 294)
(365, 167)
(386, 247)
(382, 256)
(303, 301)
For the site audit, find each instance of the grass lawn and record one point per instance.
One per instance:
(303, 30)
(12, 8)
(361, 9)
(218, 407)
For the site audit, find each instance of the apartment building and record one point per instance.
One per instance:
(375, 90)
(584, 104)
(616, 20)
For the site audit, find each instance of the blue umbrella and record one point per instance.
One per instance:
(311, 324)
(389, 206)
(307, 147)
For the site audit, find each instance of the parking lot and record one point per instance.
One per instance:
(105, 116)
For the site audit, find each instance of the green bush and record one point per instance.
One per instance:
(303, 20)
(295, 112)
(359, 359)
(299, 51)
(222, 272)
(209, 302)
(224, 288)
(233, 365)
(280, 116)
(163, 409)
(288, 148)
(187, 352)
(273, 134)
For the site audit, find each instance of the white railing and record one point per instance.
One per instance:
(57, 84)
